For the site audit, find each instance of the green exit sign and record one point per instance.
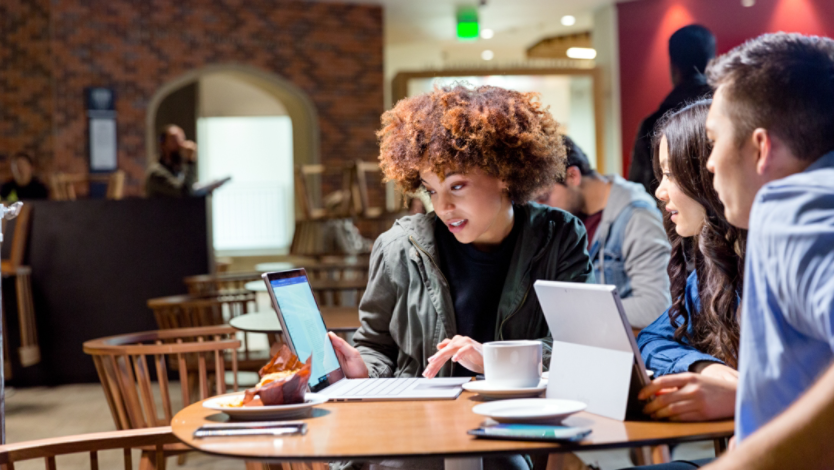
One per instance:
(467, 23)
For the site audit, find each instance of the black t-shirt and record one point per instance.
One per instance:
(34, 190)
(476, 279)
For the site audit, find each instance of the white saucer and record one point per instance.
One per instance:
(529, 410)
(483, 388)
(253, 413)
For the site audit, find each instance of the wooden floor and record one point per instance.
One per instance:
(37, 413)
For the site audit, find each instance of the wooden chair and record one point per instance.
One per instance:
(183, 311)
(128, 382)
(12, 267)
(63, 184)
(339, 272)
(157, 438)
(360, 189)
(308, 181)
(204, 285)
(338, 293)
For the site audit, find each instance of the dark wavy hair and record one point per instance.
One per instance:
(508, 134)
(716, 252)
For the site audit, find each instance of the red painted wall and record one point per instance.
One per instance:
(645, 27)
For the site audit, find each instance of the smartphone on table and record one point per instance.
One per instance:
(532, 432)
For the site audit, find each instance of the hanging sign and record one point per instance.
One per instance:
(101, 120)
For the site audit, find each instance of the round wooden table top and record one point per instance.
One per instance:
(275, 266)
(335, 318)
(401, 429)
(255, 286)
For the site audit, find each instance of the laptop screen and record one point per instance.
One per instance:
(305, 328)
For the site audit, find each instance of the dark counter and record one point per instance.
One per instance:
(95, 263)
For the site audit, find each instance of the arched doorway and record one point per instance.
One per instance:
(253, 126)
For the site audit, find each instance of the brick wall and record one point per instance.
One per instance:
(51, 50)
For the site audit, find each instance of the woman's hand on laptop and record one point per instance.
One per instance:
(350, 359)
(464, 350)
(690, 397)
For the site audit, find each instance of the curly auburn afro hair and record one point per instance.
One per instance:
(508, 134)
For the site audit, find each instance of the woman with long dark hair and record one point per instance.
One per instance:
(694, 347)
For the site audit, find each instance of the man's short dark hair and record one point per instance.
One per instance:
(576, 157)
(164, 131)
(783, 83)
(24, 156)
(691, 48)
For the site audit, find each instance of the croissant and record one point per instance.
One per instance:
(283, 381)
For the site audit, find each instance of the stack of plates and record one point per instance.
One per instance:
(485, 389)
(529, 410)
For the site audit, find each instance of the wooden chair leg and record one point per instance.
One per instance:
(255, 465)
(720, 446)
(148, 460)
(661, 454)
(641, 455)
(565, 461)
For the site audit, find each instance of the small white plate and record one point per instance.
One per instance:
(529, 410)
(483, 388)
(253, 413)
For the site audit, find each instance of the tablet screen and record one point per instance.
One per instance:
(305, 327)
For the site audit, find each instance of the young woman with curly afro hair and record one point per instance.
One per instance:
(443, 283)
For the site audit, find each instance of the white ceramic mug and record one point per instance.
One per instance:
(513, 364)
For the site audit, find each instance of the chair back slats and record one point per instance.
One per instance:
(143, 379)
(219, 373)
(134, 407)
(234, 369)
(116, 410)
(93, 460)
(185, 385)
(162, 377)
(50, 463)
(202, 373)
(130, 385)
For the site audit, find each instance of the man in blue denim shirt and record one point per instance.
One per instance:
(771, 120)
(626, 240)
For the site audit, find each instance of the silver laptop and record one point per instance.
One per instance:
(305, 333)
(593, 315)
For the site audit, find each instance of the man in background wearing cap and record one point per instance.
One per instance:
(690, 49)
(627, 242)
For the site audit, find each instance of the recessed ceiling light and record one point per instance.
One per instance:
(748, 3)
(582, 53)
(487, 33)
(487, 55)
(568, 20)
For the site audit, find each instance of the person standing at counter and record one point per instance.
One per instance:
(24, 185)
(176, 171)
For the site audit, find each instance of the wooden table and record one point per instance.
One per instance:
(335, 318)
(387, 430)
(255, 286)
(275, 266)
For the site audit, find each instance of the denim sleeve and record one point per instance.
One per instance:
(665, 355)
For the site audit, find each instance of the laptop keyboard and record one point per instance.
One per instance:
(377, 387)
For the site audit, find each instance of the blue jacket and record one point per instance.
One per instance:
(630, 250)
(661, 352)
